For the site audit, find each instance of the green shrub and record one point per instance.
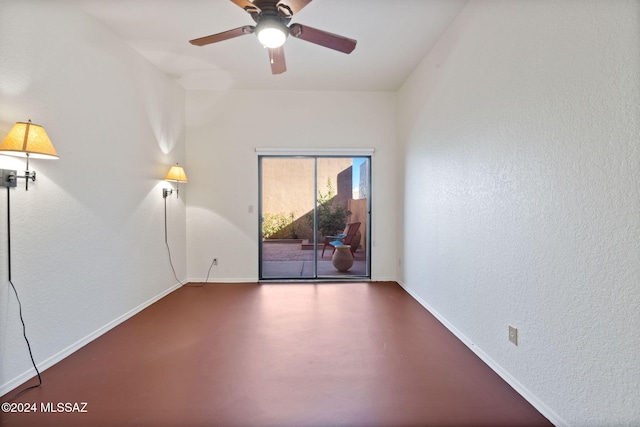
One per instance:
(279, 226)
(331, 219)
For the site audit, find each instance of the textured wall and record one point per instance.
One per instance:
(288, 188)
(88, 237)
(521, 197)
(223, 131)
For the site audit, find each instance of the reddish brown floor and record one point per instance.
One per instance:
(352, 354)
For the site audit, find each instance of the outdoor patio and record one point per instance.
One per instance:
(289, 260)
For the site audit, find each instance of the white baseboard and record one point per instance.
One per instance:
(510, 379)
(384, 279)
(49, 362)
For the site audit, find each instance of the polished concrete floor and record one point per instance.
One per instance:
(349, 354)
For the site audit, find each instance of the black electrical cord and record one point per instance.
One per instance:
(166, 242)
(213, 261)
(24, 333)
(24, 328)
(169, 251)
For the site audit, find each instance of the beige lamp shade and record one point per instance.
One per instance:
(176, 173)
(28, 139)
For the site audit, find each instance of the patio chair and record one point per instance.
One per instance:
(344, 238)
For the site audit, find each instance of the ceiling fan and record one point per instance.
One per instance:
(272, 28)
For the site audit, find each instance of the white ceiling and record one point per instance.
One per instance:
(393, 37)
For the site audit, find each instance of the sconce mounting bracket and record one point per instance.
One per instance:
(8, 178)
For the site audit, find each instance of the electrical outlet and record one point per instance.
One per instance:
(513, 335)
(215, 261)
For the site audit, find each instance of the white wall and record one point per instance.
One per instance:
(88, 237)
(522, 197)
(223, 131)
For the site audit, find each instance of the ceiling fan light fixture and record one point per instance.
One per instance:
(272, 18)
(271, 33)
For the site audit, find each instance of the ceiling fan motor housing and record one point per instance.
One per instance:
(271, 20)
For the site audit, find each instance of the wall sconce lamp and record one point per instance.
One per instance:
(25, 140)
(177, 174)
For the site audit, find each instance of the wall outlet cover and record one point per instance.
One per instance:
(513, 335)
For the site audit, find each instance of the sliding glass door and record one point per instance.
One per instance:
(314, 217)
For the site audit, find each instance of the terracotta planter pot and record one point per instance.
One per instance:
(342, 258)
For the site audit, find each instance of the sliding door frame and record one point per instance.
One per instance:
(315, 155)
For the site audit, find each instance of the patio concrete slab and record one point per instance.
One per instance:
(289, 260)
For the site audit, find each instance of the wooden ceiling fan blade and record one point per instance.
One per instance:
(294, 5)
(226, 35)
(276, 58)
(323, 38)
(247, 5)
